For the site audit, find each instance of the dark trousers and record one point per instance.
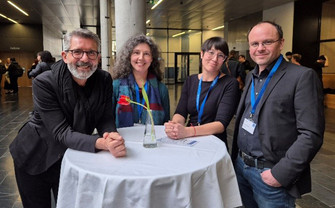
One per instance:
(13, 83)
(35, 190)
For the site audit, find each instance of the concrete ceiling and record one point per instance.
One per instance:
(64, 15)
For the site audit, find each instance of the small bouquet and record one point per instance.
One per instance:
(125, 100)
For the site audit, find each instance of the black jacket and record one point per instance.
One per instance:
(290, 124)
(65, 116)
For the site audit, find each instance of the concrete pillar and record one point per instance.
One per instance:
(129, 20)
(105, 28)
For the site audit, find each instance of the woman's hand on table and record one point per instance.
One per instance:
(176, 130)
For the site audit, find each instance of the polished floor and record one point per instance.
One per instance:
(14, 111)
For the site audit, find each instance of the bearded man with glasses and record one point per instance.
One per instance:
(70, 101)
(279, 124)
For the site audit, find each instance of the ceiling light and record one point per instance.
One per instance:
(160, 1)
(178, 34)
(18, 8)
(218, 27)
(147, 21)
(8, 18)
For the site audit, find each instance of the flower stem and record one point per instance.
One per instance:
(149, 112)
(138, 104)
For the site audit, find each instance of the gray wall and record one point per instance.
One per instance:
(20, 37)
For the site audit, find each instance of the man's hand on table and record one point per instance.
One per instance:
(113, 142)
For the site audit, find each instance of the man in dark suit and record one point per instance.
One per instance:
(279, 124)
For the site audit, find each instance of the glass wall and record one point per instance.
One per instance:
(172, 42)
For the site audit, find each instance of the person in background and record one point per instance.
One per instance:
(234, 68)
(70, 101)
(247, 66)
(288, 56)
(296, 58)
(12, 76)
(7, 85)
(3, 70)
(46, 60)
(209, 99)
(279, 124)
(38, 56)
(34, 64)
(321, 62)
(138, 65)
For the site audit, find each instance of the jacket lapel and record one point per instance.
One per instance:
(273, 82)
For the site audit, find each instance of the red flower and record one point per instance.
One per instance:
(124, 100)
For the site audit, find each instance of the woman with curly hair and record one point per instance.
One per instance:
(138, 65)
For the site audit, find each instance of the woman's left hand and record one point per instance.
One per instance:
(175, 130)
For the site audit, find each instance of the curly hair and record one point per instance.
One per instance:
(123, 67)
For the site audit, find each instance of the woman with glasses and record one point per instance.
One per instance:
(209, 99)
(138, 66)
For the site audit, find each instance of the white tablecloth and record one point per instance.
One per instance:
(171, 175)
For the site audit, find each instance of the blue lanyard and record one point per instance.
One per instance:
(140, 108)
(201, 110)
(254, 101)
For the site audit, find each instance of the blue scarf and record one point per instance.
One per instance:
(127, 115)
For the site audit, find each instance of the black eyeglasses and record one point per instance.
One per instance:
(264, 44)
(78, 54)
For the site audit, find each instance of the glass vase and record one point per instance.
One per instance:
(149, 140)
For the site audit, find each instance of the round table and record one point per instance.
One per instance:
(171, 175)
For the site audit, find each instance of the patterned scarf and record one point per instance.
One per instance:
(127, 115)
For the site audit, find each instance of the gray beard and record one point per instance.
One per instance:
(78, 74)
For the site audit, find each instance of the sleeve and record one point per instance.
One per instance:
(228, 102)
(310, 125)
(36, 71)
(164, 94)
(47, 104)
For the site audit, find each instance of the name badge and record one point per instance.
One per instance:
(249, 125)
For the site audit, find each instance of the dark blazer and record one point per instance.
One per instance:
(291, 124)
(65, 116)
